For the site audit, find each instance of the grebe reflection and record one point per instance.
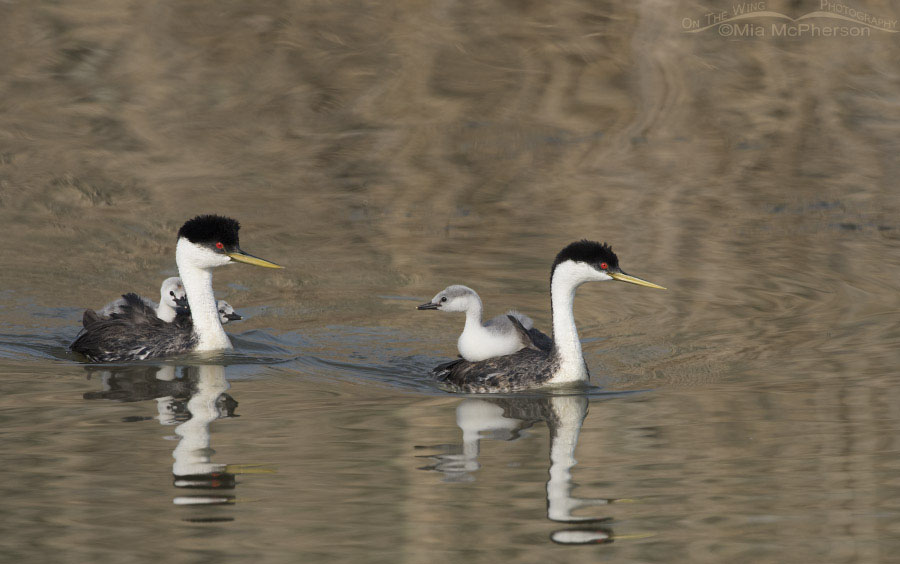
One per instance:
(507, 419)
(193, 397)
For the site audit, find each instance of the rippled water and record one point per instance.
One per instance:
(383, 151)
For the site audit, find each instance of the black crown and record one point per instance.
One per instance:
(211, 229)
(588, 252)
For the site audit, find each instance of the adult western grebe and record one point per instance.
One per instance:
(171, 298)
(531, 367)
(496, 337)
(204, 243)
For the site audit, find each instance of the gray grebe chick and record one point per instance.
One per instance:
(533, 366)
(204, 243)
(496, 337)
(226, 312)
(171, 300)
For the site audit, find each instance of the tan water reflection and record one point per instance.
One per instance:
(506, 419)
(383, 151)
(191, 398)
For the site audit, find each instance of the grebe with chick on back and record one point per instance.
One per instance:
(137, 333)
(498, 336)
(534, 366)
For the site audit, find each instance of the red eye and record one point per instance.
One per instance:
(603, 266)
(220, 246)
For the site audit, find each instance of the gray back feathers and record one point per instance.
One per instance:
(134, 333)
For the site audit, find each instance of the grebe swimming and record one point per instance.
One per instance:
(533, 366)
(204, 243)
(496, 337)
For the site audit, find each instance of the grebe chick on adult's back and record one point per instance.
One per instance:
(176, 305)
(204, 243)
(496, 337)
(171, 300)
(533, 367)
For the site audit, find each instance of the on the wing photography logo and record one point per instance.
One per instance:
(754, 19)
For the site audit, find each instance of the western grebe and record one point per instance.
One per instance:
(171, 299)
(204, 243)
(532, 367)
(496, 337)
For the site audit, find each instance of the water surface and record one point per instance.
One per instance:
(384, 151)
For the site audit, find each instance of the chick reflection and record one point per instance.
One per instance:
(193, 401)
(505, 419)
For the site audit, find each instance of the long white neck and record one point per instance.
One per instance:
(198, 287)
(566, 278)
(473, 315)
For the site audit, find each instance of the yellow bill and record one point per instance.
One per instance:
(241, 256)
(249, 469)
(622, 277)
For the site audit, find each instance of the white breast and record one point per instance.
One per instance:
(483, 343)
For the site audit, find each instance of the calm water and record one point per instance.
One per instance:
(382, 151)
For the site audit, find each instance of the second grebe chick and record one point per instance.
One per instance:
(498, 336)
(532, 366)
(204, 243)
(171, 299)
(226, 312)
